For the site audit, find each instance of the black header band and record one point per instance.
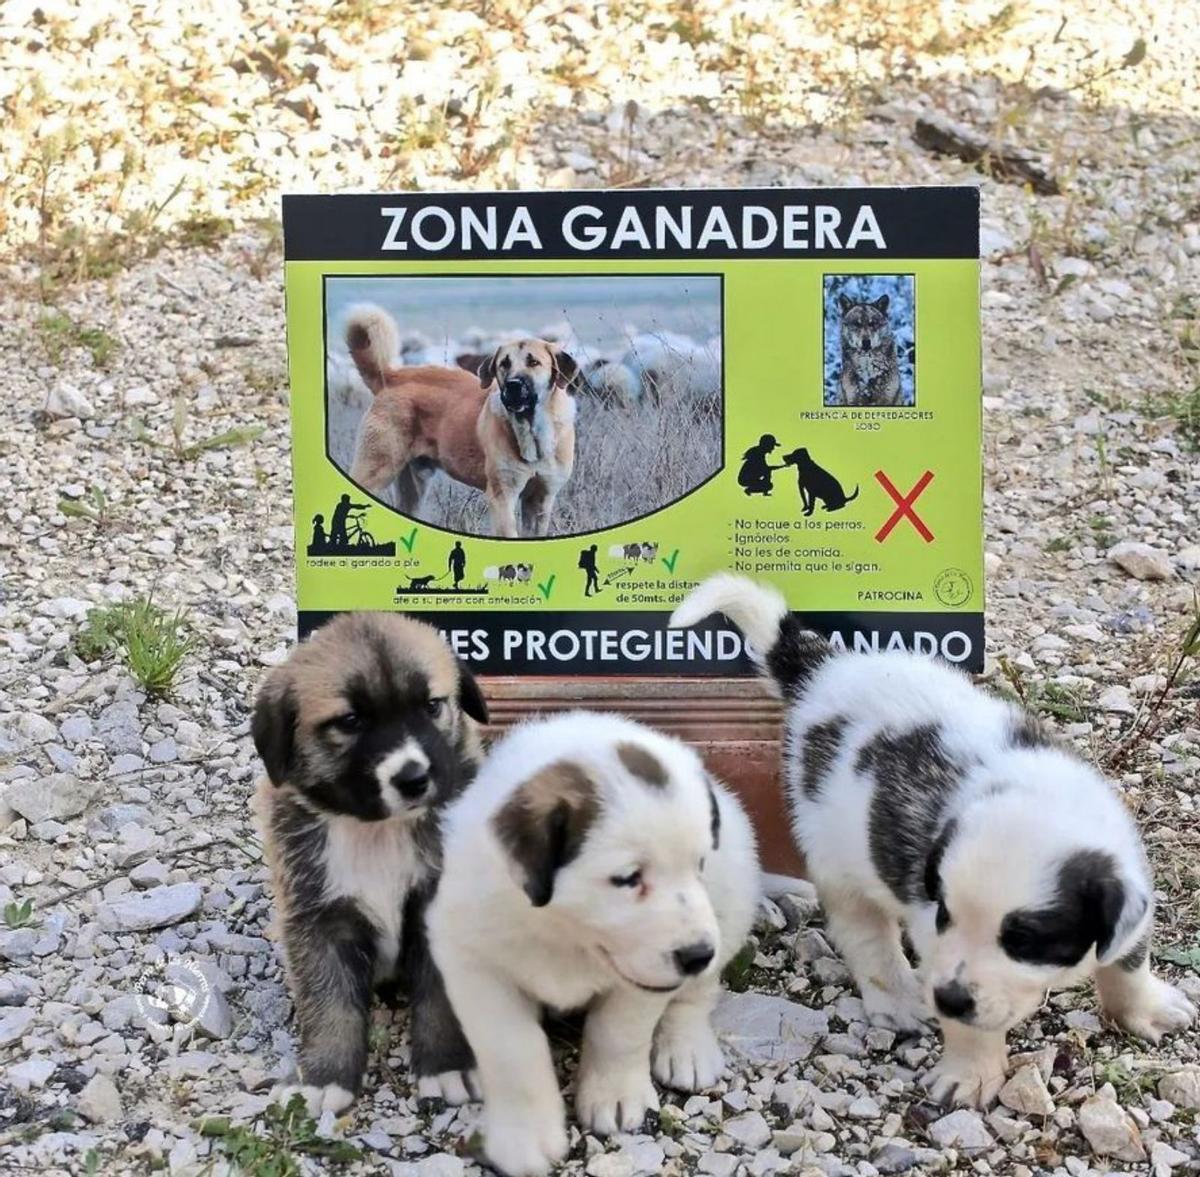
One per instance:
(824, 223)
(637, 643)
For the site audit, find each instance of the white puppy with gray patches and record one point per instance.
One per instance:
(592, 864)
(919, 799)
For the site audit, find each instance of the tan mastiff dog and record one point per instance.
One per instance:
(509, 433)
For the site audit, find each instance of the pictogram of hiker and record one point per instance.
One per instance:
(587, 561)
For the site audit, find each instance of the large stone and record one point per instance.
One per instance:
(157, 908)
(33, 1072)
(760, 1029)
(100, 1101)
(749, 1129)
(14, 1024)
(120, 728)
(963, 1129)
(55, 797)
(1026, 1092)
(1109, 1128)
(1141, 561)
(1182, 1088)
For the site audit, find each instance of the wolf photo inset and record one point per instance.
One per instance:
(870, 341)
(523, 407)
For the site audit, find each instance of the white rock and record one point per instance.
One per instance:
(53, 797)
(761, 1029)
(33, 1072)
(1141, 561)
(749, 1129)
(99, 1101)
(440, 1164)
(1109, 1129)
(1182, 1088)
(151, 873)
(963, 1129)
(718, 1164)
(1117, 700)
(1164, 1158)
(1189, 558)
(610, 1164)
(1025, 1092)
(157, 908)
(65, 400)
(14, 1024)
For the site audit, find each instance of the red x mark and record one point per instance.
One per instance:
(904, 506)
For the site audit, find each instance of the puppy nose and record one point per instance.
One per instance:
(954, 1000)
(692, 959)
(411, 779)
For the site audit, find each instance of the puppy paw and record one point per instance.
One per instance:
(451, 1087)
(974, 1081)
(1158, 1009)
(691, 1061)
(520, 1147)
(614, 1101)
(330, 1098)
(905, 1013)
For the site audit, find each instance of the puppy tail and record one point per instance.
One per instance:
(786, 652)
(373, 342)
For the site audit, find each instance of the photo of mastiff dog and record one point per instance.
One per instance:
(509, 431)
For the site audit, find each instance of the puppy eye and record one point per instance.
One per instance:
(347, 723)
(532, 362)
(434, 707)
(632, 880)
(942, 919)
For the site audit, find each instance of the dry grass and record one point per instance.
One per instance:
(629, 462)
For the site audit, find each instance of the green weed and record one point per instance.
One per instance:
(1184, 409)
(59, 334)
(93, 507)
(203, 232)
(152, 641)
(737, 971)
(20, 915)
(286, 1134)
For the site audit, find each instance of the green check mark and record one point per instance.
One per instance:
(671, 560)
(409, 540)
(547, 588)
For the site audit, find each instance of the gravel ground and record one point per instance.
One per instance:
(143, 314)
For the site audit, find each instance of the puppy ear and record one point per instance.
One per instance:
(933, 864)
(487, 370)
(565, 367)
(470, 697)
(1117, 910)
(881, 303)
(714, 822)
(543, 825)
(844, 302)
(274, 726)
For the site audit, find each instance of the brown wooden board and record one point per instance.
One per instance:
(733, 724)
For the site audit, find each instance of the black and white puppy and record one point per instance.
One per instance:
(919, 799)
(594, 864)
(366, 731)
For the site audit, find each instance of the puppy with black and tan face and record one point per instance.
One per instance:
(920, 800)
(367, 731)
(592, 864)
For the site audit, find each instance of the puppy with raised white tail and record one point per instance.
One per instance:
(592, 864)
(919, 799)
